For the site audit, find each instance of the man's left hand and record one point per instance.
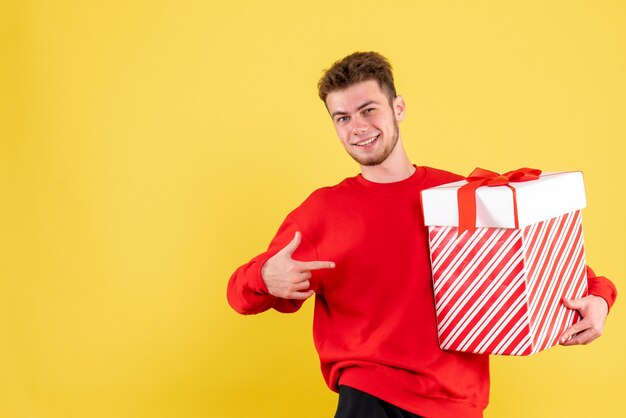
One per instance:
(593, 310)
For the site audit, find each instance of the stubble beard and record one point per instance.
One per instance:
(386, 152)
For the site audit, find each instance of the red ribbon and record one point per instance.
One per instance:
(466, 194)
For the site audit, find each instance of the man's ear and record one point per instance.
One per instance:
(398, 108)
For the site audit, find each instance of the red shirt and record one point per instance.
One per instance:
(374, 323)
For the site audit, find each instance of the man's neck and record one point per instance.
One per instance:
(396, 167)
(380, 174)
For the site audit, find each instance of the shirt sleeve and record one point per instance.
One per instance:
(601, 286)
(247, 292)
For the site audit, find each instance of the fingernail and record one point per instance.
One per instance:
(332, 265)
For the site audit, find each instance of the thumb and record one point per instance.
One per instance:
(290, 248)
(572, 303)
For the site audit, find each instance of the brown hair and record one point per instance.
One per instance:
(357, 67)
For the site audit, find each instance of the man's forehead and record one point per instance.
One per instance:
(352, 98)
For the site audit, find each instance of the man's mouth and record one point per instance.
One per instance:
(367, 141)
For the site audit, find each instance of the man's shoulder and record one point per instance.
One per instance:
(323, 197)
(324, 207)
(437, 176)
(330, 192)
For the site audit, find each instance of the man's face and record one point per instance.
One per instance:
(365, 122)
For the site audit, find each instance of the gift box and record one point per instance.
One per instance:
(505, 250)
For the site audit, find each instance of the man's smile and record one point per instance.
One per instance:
(367, 141)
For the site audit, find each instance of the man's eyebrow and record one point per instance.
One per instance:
(367, 104)
(342, 112)
(338, 112)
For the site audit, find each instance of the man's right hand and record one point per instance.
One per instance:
(288, 278)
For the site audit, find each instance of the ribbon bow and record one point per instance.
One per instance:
(466, 194)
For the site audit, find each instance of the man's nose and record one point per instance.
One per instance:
(359, 125)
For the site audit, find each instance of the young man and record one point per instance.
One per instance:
(374, 323)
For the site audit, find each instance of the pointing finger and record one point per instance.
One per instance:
(316, 265)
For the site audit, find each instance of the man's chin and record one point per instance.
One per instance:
(369, 162)
(372, 163)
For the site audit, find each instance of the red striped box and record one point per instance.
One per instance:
(499, 289)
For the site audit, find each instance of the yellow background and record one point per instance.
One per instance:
(148, 148)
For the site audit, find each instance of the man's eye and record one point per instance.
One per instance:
(343, 119)
(369, 110)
